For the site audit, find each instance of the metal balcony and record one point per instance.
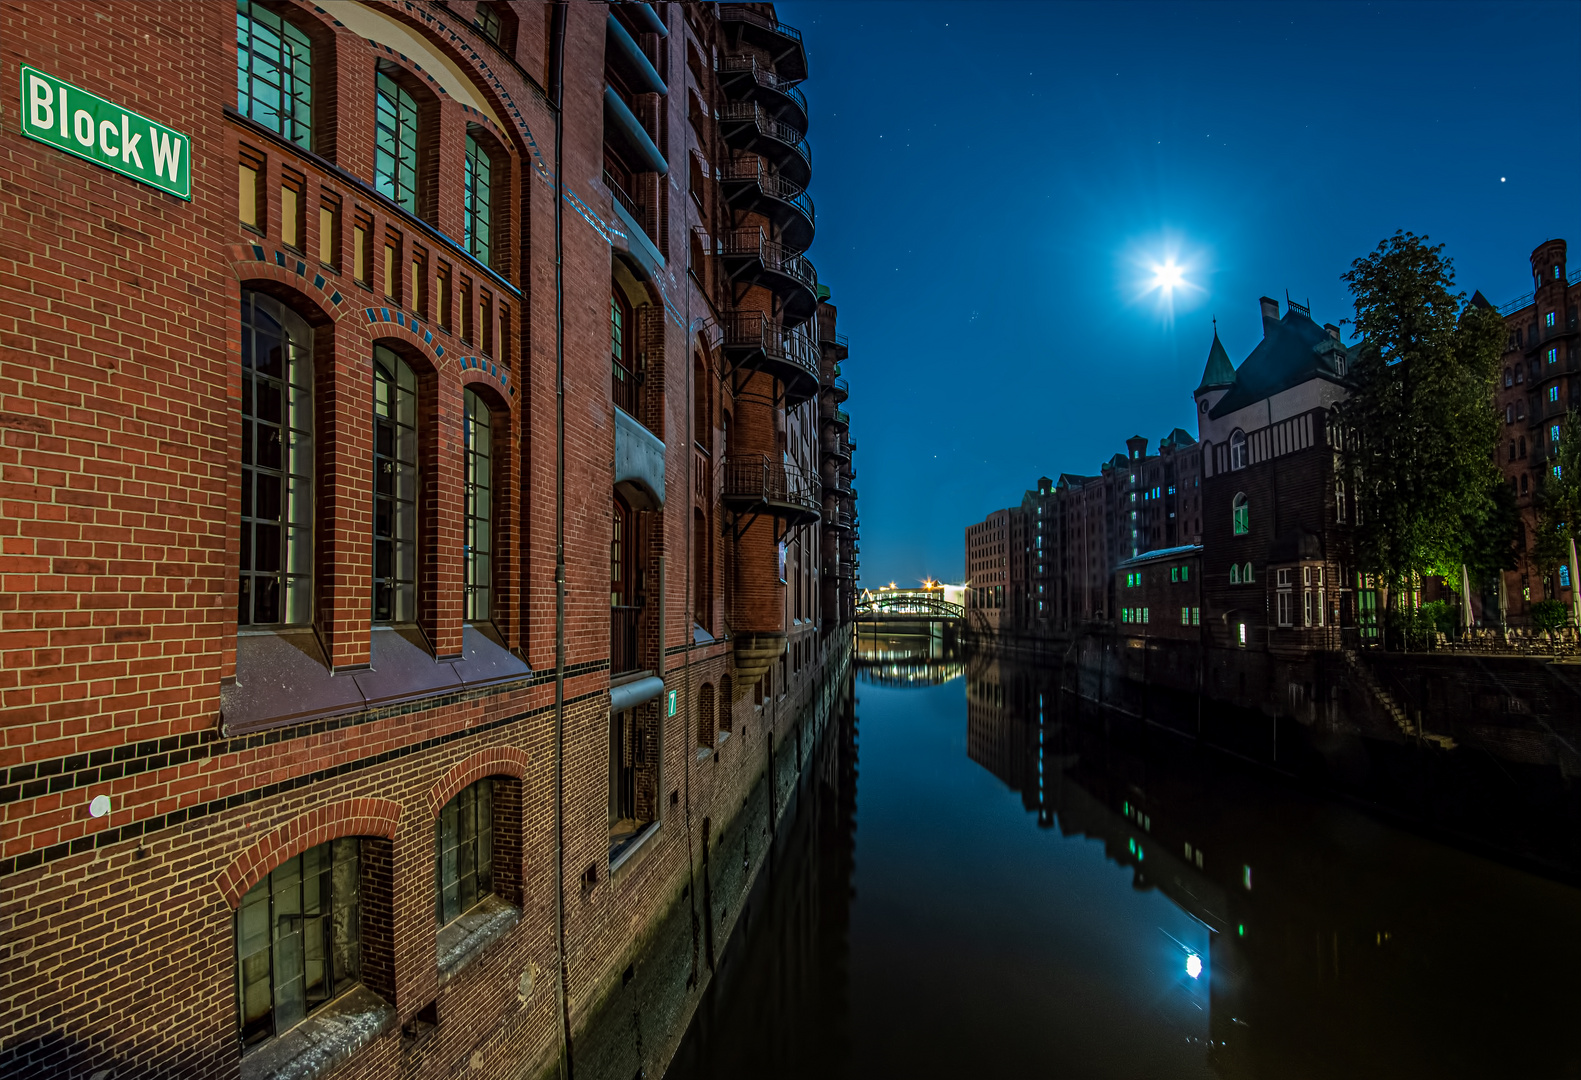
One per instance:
(750, 257)
(743, 78)
(837, 417)
(746, 125)
(782, 43)
(838, 388)
(753, 342)
(755, 483)
(750, 184)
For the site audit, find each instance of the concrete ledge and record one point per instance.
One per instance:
(322, 1041)
(473, 931)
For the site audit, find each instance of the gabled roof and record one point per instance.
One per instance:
(1176, 439)
(1478, 300)
(1218, 373)
(1294, 350)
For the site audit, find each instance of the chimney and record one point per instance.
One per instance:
(1270, 312)
(1333, 331)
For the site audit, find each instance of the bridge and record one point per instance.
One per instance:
(927, 604)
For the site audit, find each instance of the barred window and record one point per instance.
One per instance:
(477, 201)
(274, 73)
(276, 579)
(394, 489)
(479, 548)
(298, 943)
(395, 143)
(464, 851)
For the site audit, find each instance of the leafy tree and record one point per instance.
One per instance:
(1549, 615)
(1559, 496)
(1422, 418)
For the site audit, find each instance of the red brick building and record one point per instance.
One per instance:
(414, 543)
(1539, 385)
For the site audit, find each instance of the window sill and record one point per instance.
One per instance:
(323, 1040)
(626, 856)
(473, 932)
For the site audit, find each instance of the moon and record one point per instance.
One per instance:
(1167, 276)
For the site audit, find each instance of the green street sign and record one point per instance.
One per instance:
(102, 132)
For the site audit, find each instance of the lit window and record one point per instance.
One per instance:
(1238, 449)
(1548, 318)
(1553, 433)
(476, 201)
(1246, 574)
(464, 851)
(276, 580)
(274, 73)
(298, 943)
(1235, 573)
(1509, 379)
(394, 489)
(395, 143)
(1241, 517)
(1185, 616)
(1196, 616)
(478, 436)
(1553, 356)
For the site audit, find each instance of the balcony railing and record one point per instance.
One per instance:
(755, 342)
(837, 416)
(840, 388)
(740, 115)
(623, 640)
(757, 479)
(639, 212)
(788, 52)
(793, 200)
(775, 256)
(623, 387)
(746, 63)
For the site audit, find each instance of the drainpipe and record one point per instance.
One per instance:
(556, 98)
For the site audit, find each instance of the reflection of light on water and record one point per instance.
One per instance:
(1194, 965)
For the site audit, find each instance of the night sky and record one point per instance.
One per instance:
(995, 182)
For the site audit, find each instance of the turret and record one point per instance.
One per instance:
(1218, 375)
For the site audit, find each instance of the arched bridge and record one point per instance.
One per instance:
(910, 605)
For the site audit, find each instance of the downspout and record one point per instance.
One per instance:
(556, 97)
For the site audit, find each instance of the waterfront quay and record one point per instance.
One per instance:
(429, 544)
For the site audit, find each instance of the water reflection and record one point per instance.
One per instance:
(902, 656)
(1049, 889)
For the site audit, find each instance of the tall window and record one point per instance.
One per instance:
(395, 143)
(276, 580)
(274, 73)
(624, 584)
(623, 380)
(487, 19)
(702, 572)
(1241, 514)
(1238, 449)
(477, 555)
(298, 943)
(477, 202)
(705, 715)
(394, 489)
(464, 851)
(726, 700)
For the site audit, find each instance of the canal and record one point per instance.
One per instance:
(990, 880)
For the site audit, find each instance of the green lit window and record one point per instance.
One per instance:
(274, 73)
(1241, 515)
(464, 851)
(298, 943)
(276, 579)
(394, 489)
(478, 551)
(477, 203)
(395, 143)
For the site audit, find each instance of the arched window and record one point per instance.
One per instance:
(394, 489)
(1523, 447)
(1246, 574)
(464, 851)
(274, 73)
(395, 142)
(705, 715)
(702, 402)
(1526, 483)
(1520, 410)
(1241, 514)
(1237, 449)
(726, 701)
(478, 549)
(1509, 377)
(1235, 573)
(478, 201)
(276, 579)
(298, 939)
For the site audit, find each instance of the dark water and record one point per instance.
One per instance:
(987, 880)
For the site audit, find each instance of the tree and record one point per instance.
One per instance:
(1559, 495)
(1422, 419)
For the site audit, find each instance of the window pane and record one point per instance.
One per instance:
(477, 567)
(395, 143)
(274, 72)
(477, 201)
(277, 461)
(395, 489)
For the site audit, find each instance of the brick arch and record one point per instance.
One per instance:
(476, 370)
(257, 265)
(393, 324)
(349, 817)
(494, 761)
